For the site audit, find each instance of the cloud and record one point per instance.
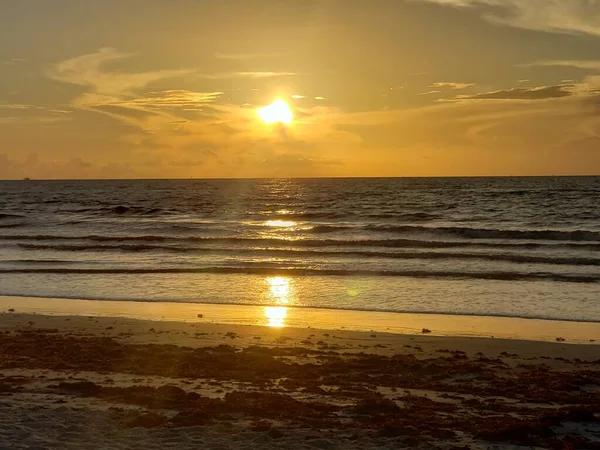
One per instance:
(161, 116)
(25, 114)
(166, 100)
(430, 92)
(586, 64)
(519, 93)
(29, 120)
(123, 95)
(246, 56)
(451, 85)
(590, 83)
(14, 62)
(555, 16)
(496, 137)
(230, 75)
(19, 106)
(172, 126)
(91, 70)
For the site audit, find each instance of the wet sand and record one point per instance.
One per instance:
(324, 319)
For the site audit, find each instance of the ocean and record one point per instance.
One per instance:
(515, 247)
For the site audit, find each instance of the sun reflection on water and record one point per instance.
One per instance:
(276, 316)
(281, 223)
(279, 291)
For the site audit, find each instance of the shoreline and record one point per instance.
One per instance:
(317, 308)
(471, 326)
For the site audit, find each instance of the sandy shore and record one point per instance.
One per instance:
(105, 382)
(324, 319)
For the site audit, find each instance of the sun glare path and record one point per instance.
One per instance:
(280, 223)
(279, 288)
(276, 112)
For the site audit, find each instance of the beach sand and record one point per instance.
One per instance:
(69, 381)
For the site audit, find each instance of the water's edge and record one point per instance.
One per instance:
(303, 307)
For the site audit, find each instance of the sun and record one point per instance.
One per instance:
(276, 112)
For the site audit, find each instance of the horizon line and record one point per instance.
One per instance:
(300, 178)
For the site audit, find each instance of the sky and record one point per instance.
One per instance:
(172, 88)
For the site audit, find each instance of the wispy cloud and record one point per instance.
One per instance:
(557, 16)
(19, 106)
(230, 75)
(590, 83)
(246, 56)
(170, 99)
(123, 95)
(521, 93)
(29, 120)
(430, 92)
(25, 114)
(525, 133)
(14, 62)
(587, 64)
(451, 85)
(91, 70)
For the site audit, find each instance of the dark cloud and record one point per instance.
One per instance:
(523, 93)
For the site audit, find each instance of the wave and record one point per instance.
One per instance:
(199, 226)
(406, 216)
(4, 216)
(516, 258)
(136, 210)
(39, 261)
(121, 247)
(303, 215)
(318, 229)
(92, 237)
(413, 217)
(501, 276)
(390, 243)
(11, 225)
(417, 217)
(485, 233)
(122, 210)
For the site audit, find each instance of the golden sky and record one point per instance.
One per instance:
(171, 88)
